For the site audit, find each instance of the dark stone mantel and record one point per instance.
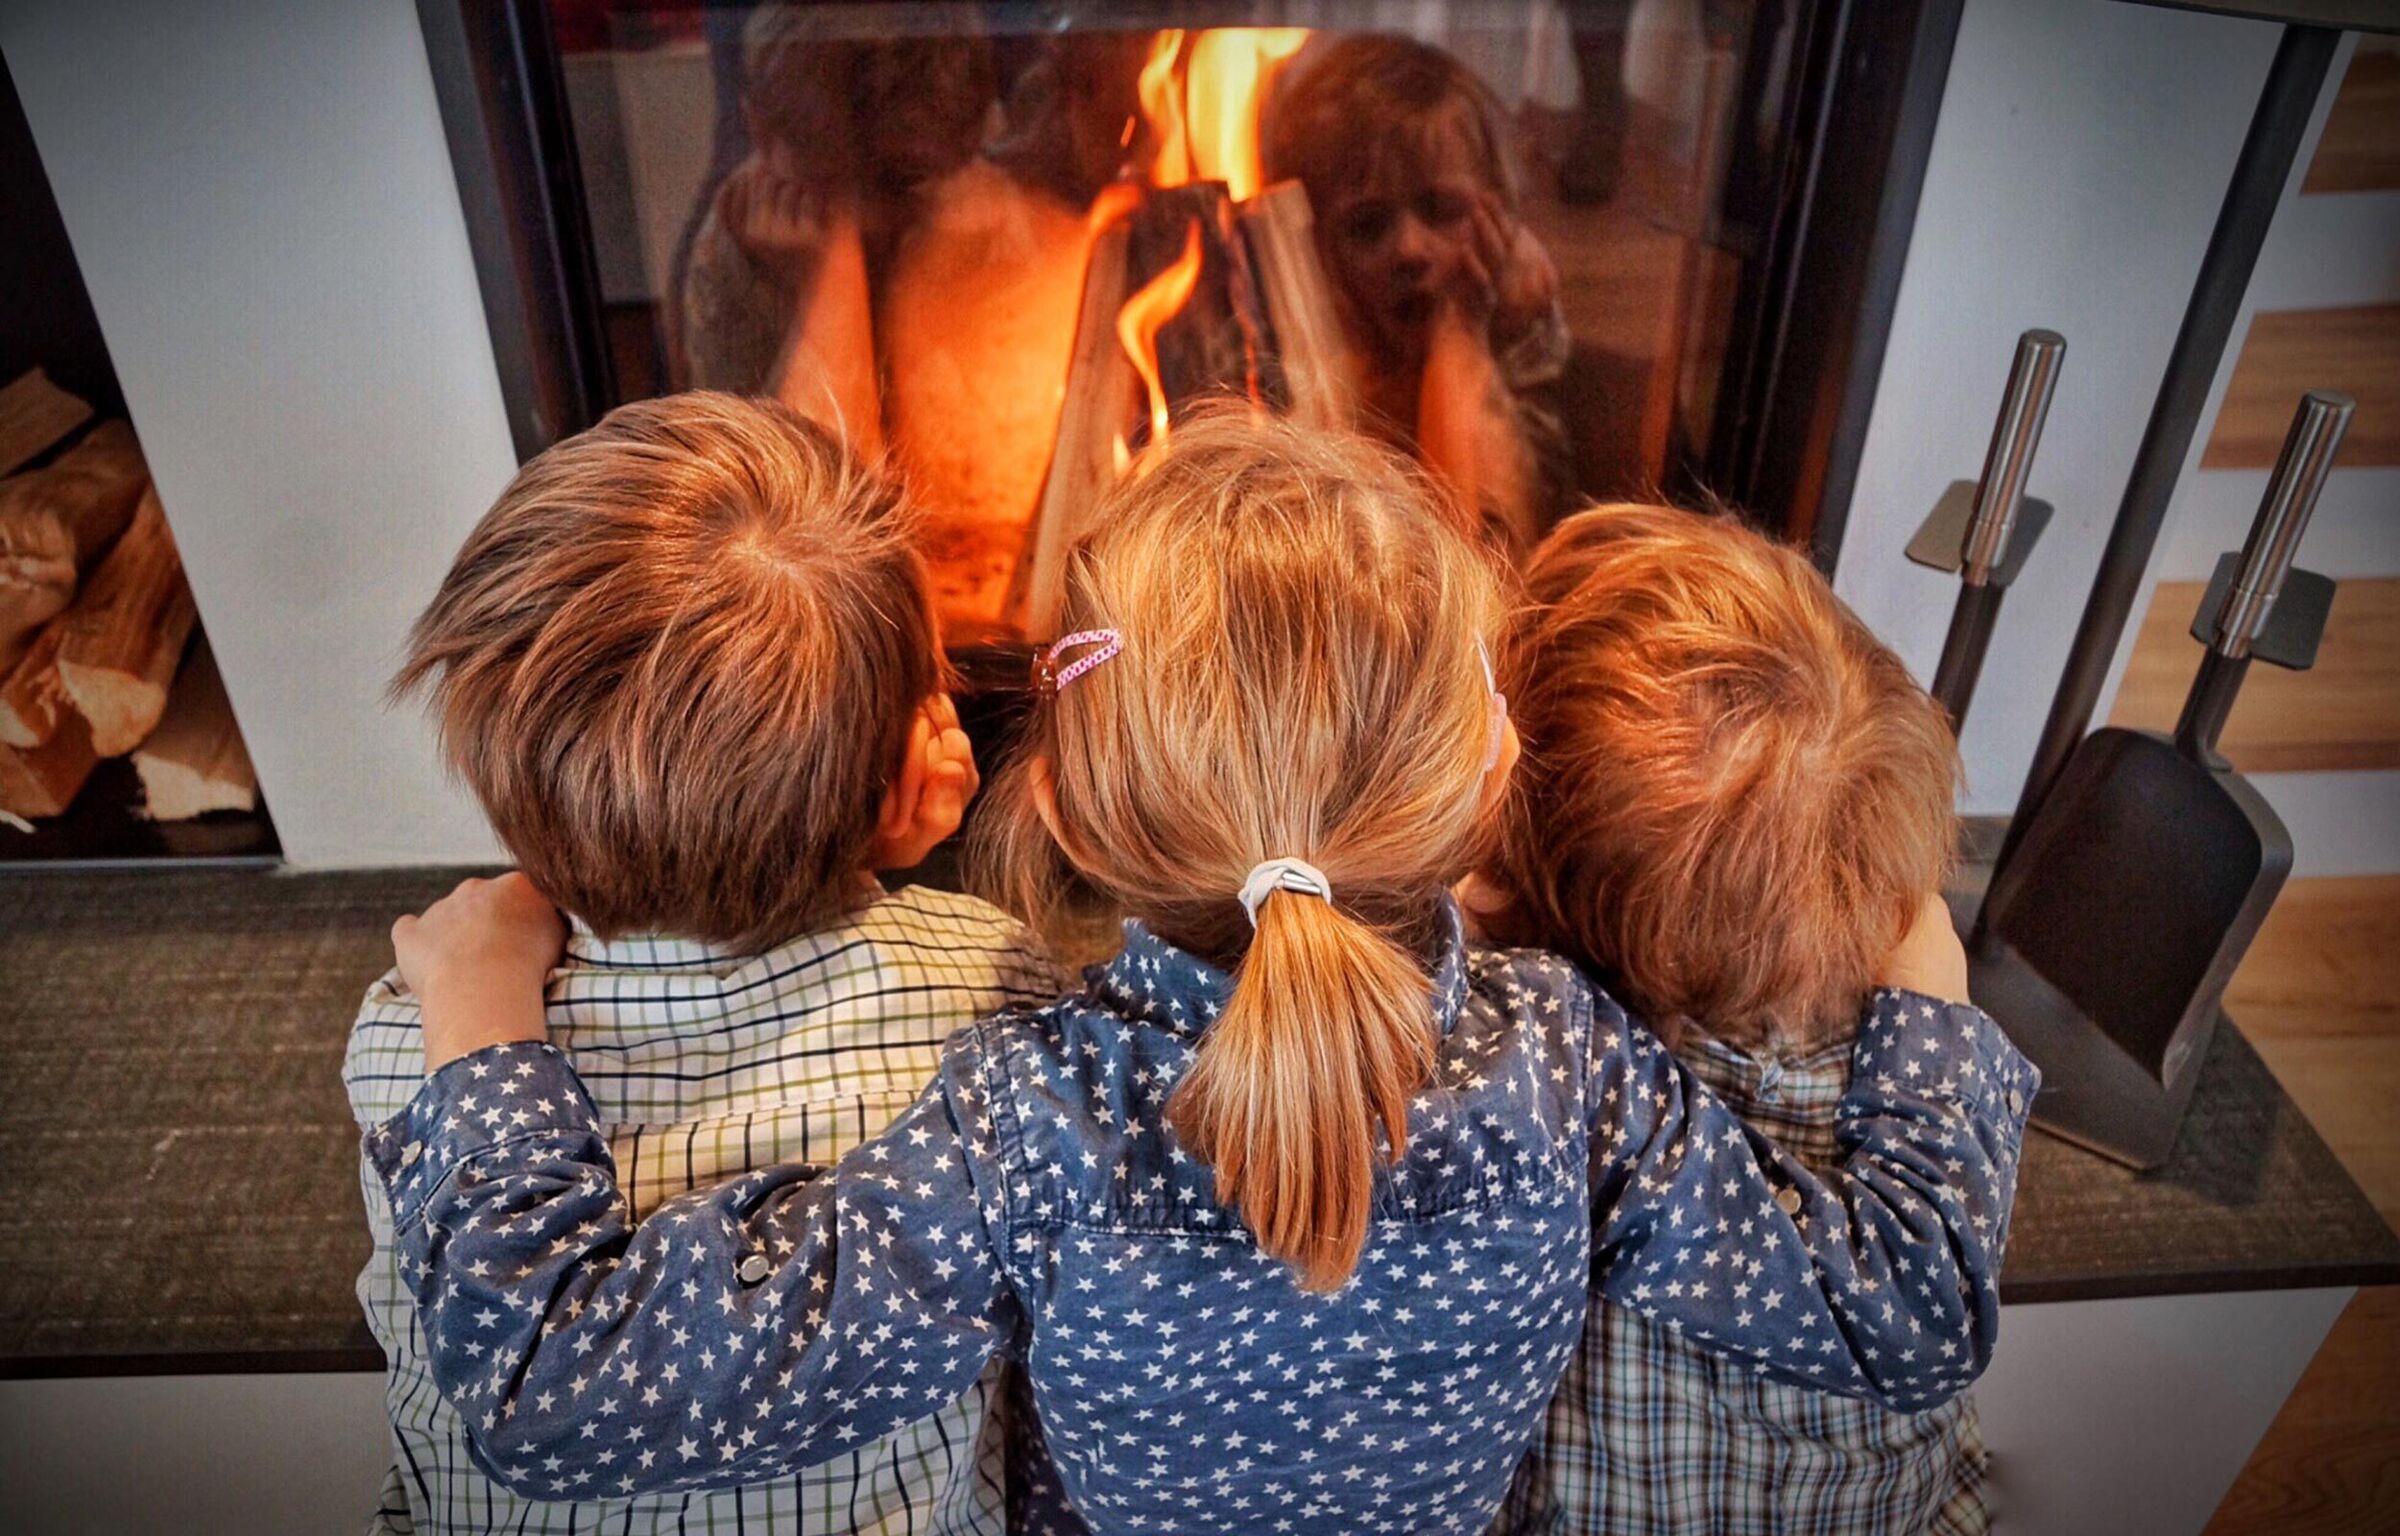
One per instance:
(178, 1185)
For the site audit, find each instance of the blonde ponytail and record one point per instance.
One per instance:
(1299, 680)
(1327, 1035)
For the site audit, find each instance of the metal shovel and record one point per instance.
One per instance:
(2108, 941)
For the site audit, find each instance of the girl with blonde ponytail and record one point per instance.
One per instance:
(1293, 758)
(1293, 1212)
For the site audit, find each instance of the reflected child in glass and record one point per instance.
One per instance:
(1450, 303)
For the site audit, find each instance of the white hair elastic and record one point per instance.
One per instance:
(1297, 875)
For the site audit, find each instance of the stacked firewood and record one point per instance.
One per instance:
(95, 616)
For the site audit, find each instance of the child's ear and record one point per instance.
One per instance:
(927, 799)
(1485, 906)
(1496, 777)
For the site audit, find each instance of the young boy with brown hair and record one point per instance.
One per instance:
(688, 666)
(1734, 803)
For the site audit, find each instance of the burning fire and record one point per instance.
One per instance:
(1152, 306)
(1201, 94)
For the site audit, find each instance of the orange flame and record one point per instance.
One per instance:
(1200, 93)
(1160, 89)
(1226, 75)
(1151, 307)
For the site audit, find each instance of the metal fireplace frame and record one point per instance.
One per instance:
(1825, 224)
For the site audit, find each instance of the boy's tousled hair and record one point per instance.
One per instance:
(1349, 104)
(678, 662)
(1299, 679)
(1734, 797)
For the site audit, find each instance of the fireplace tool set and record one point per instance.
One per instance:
(2139, 866)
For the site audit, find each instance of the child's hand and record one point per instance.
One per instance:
(1929, 958)
(777, 220)
(929, 798)
(477, 961)
(1523, 280)
(1504, 280)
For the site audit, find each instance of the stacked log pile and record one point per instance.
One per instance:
(95, 619)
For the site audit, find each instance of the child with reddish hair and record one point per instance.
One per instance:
(1735, 803)
(1292, 1210)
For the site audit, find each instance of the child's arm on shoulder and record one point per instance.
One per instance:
(1878, 1280)
(737, 1333)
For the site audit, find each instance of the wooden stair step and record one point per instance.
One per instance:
(2344, 713)
(2319, 996)
(2292, 351)
(2360, 151)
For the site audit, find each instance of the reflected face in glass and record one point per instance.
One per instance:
(1399, 244)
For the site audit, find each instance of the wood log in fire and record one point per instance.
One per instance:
(1171, 313)
(125, 633)
(1314, 376)
(195, 762)
(1101, 395)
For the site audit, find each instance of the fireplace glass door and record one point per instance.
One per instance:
(1549, 250)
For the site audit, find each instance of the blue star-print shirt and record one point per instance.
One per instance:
(1034, 1201)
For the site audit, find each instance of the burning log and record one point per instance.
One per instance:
(124, 635)
(55, 521)
(195, 762)
(1314, 377)
(1171, 312)
(1101, 394)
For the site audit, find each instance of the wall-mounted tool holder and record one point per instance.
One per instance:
(2107, 943)
(1985, 529)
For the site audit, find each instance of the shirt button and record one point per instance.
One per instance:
(2016, 1102)
(752, 1269)
(1789, 1201)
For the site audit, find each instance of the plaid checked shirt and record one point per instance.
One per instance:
(705, 1065)
(1651, 1433)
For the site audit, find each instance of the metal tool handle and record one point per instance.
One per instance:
(2300, 471)
(2032, 380)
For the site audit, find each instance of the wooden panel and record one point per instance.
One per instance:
(2330, 1463)
(2291, 351)
(2342, 713)
(2319, 995)
(2361, 148)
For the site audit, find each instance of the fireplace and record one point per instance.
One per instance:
(1557, 252)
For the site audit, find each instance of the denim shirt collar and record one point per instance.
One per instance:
(1177, 991)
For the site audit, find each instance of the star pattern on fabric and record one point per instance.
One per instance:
(1034, 1201)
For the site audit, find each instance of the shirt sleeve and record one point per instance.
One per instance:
(737, 1333)
(1878, 1279)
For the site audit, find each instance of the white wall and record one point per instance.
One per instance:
(2077, 167)
(2134, 1417)
(260, 197)
(290, 1455)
